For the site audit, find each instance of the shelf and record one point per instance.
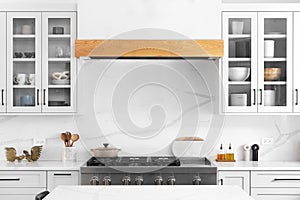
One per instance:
(59, 36)
(274, 36)
(24, 86)
(274, 59)
(24, 36)
(59, 59)
(59, 86)
(23, 59)
(239, 82)
(238, 59)
(275, 82)
(237, 36)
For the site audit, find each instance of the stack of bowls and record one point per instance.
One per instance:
(272, 74)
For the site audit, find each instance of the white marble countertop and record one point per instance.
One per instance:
(258, 165)
(145, 192)
(40, 165)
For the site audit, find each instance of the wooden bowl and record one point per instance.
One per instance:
(272, 74)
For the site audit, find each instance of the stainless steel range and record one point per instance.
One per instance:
(148, 171)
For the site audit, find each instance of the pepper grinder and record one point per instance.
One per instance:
(255, 149)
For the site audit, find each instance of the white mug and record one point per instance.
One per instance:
(31, 79)
(269, 48)
(26, 29)
(237, 27)
(20, 79)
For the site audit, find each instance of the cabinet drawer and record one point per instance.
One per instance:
(275, 193)
(22, 179)
(275, 179)
(56, 178)
(20, 193)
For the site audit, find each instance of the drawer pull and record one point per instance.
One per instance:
(9, 179)
(2, 97)
(286, 179)
(62, 174)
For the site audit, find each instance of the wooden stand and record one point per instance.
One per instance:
(225, 160)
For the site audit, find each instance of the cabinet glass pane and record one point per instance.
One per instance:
(275, 95)
(239, 65)
(275, 57)
(24, 26)
(63, 25)
(59, 73)
(24, 97)
(59, 97)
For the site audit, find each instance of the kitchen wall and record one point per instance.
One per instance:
(18, 131)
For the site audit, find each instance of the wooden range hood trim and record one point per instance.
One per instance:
(149, 48)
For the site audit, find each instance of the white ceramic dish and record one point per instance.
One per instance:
(269, 97)
(238, 99)
(239, 73)
(60, 82)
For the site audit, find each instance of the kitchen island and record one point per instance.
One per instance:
(145, 192)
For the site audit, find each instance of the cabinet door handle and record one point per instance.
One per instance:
(286, 179)
(38, 97)
(221, 181)
(44, 97)
(254, 95)
(9, 179)
(260, 103)
(2, 97)
(296, 93)
(56, 174)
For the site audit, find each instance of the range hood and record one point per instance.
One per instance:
(149, 48)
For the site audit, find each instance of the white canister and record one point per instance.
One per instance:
(269, 48)
(247, 149)
(237, 27)
(238, 99)
(26, 29)
(269, 97)
(69, 154)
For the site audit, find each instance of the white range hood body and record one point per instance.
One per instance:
(149, 19)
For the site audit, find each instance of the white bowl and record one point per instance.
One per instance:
(239, 73)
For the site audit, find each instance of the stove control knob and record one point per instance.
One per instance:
(158, 180)
(139, 180)
(197, 180)
(126, 180)
(171, 180)
(94, 180)
(106, 180)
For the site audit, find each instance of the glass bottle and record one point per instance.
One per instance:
(221, 154)
(230, 154)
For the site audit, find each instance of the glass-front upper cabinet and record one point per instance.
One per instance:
(240, 62)
(275, 81)
(3, 62)
(59, 62)
(23, 61)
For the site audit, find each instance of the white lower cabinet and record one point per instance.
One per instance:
(275, 185)
(19, 193)
(55, 178)
(238, 178)
(21, 185)
(275, 193)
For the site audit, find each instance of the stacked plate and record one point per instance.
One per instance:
(61, 82)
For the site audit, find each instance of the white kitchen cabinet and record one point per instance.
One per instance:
(36, 51)
(55, 178)
(58, 56)
(21, 184)
(244, 35)
(296, 61)
(238, 178)
(19, 193)
(3, 62)
(275, 193)
(23, 36)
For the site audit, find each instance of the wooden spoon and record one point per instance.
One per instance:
(74, 138)
(63, 137)
(69, 136)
